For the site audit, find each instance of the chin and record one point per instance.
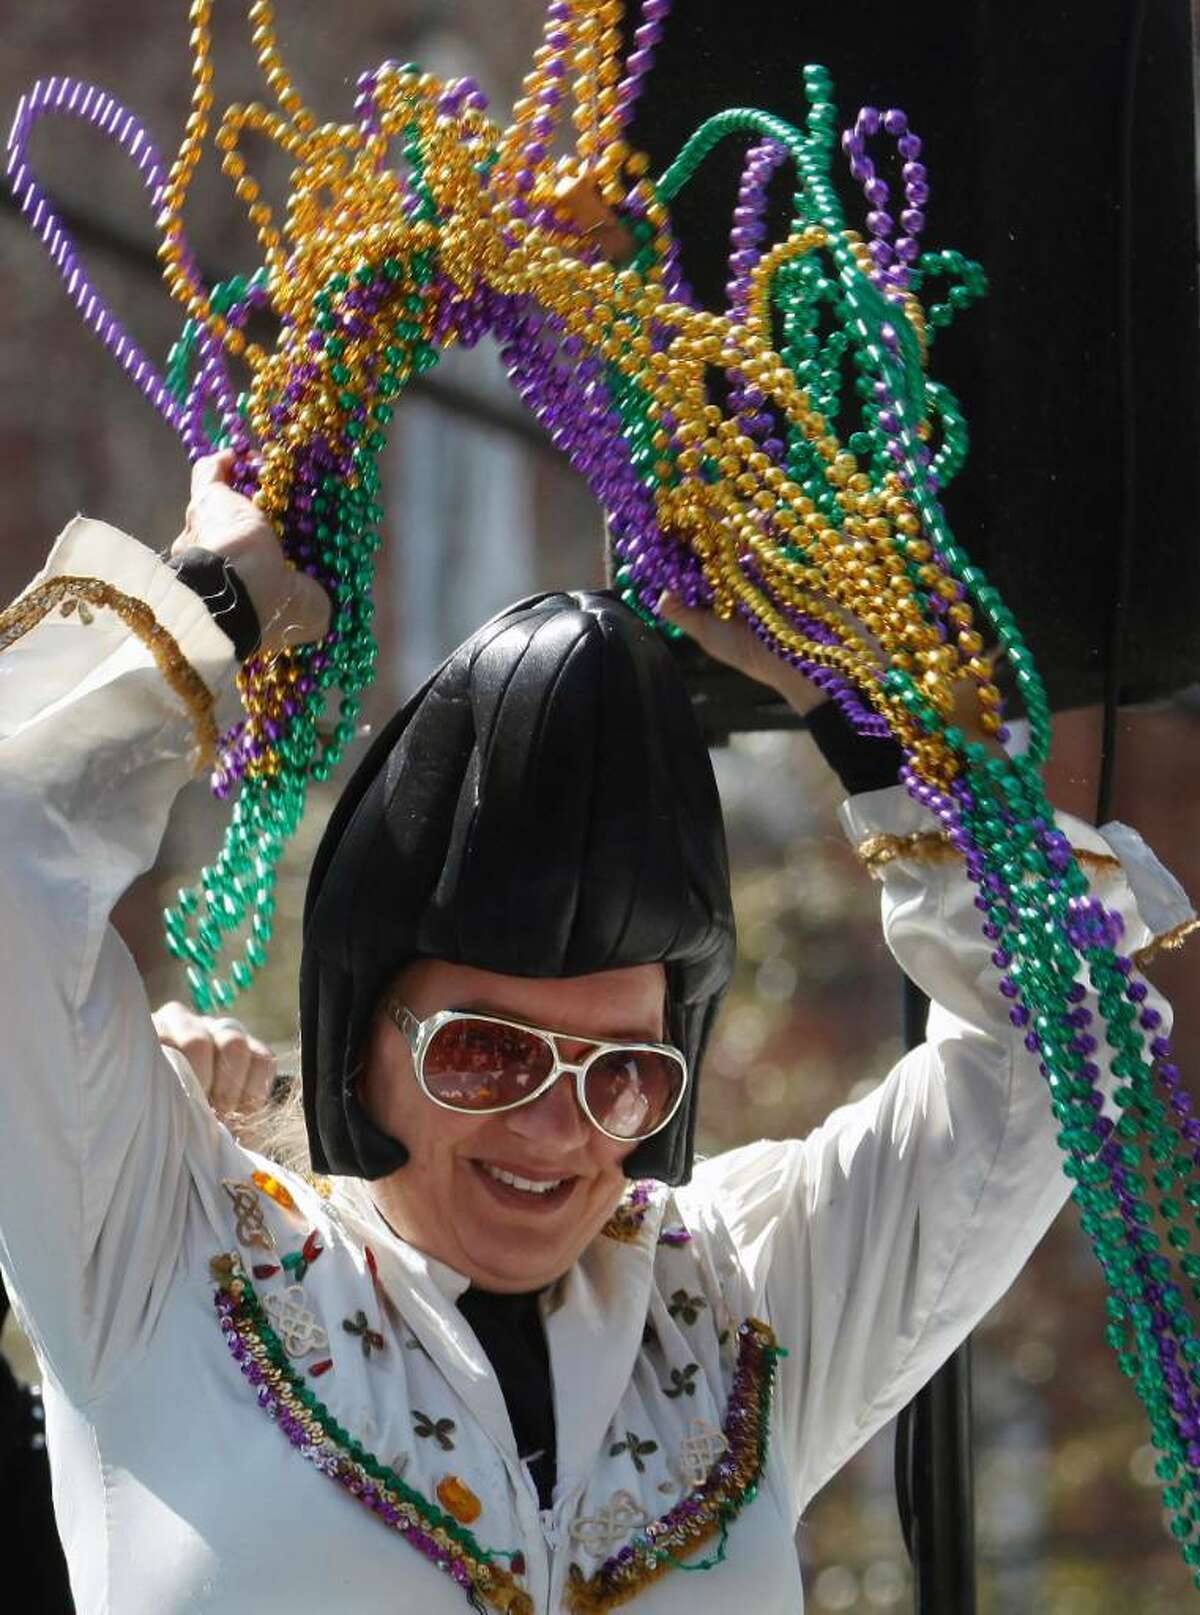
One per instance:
(505, 1282)
(505, 1266)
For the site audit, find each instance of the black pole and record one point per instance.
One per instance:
(934, 1490)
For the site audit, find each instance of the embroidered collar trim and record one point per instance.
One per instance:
(625, 1224)
(708, 1510)
(281, 1392)
(704, 1512)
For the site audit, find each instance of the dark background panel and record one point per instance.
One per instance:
(1062, 155)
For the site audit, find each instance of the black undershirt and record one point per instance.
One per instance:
(509, 1328)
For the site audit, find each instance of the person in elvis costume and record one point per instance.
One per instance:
(509, 1356)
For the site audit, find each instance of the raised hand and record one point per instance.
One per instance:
(235, 1069)
(292, 608)
(732, 641)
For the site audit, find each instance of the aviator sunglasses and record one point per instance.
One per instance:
(479, 1064)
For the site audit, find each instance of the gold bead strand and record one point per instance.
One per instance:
(234, 123)
(585, 84)
(529, 106)
(266, 48)
(812, 238)
(612, 152)
(177, 273)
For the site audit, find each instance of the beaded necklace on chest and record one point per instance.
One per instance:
(809, 501)
(261, 1337)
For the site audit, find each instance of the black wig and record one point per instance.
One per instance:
(543, 806)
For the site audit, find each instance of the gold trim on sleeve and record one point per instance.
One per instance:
(1169, 942)
(925, 846)
(934, 846)
(77, 593)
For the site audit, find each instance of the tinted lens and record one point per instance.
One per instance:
(631, 1092)
(477, 1065)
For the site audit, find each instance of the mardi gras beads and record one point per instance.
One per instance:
(805, 498)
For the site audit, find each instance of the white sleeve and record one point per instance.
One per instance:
(875, 1244)
(97, 1124)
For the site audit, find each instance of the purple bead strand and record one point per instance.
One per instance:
(65, 97)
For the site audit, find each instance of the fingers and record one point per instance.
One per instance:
(734, 643)
(216, 510)
(218, 518)
(235, 1069)
(730, 641)
(292, 608)
(210, 469)
(692, 619)
(243, 1070)
(178, 1028)
(672, 608)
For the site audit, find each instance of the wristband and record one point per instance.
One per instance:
(859, 761)
(217, 583)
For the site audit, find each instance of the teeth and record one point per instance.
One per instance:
(512, 1179)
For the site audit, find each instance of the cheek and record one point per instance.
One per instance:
(609, 1160)
(394, 1102)
(435, 1138)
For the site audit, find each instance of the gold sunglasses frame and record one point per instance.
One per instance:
(420, 1033)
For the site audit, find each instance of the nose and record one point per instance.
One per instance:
(554, 1120)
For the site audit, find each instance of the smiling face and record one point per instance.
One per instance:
(447, 1200)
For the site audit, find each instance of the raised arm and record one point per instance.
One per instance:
(877, 1243)
(113, 678)
(881, 1239)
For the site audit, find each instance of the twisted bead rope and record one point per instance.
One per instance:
(808, 502)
